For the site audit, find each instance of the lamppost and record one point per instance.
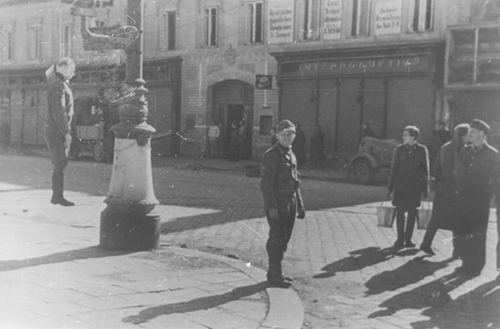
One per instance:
(128, 222)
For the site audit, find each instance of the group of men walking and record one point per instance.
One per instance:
(466, 173)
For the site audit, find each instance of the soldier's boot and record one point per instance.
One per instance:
(410, 225)
(275, 276)
(427, 242)
(400, 227)
(58, 189)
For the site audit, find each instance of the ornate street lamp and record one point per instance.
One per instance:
(128, 222)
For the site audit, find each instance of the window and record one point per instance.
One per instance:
(255, 28)
(210, 27)
(67, 41)
(10, 45)
(265, 124)
(361, 14)
(309, 29)
(34, 42)
(167, 31)
(421, 15)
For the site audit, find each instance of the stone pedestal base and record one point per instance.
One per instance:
(130, 231)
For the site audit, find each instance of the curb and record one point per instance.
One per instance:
(285, 308)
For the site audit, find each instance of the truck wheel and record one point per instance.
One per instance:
(98, 150)
(362, 172)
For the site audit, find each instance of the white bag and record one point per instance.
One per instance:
(424, 215)
(386, 215)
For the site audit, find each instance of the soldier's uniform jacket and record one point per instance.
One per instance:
(279, 178)
(60, 108)
(478, 171)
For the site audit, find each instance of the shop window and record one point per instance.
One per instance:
(210, 27)
(34, 42)
(67, 46)
(265, 124)
(167, 31)
(255, 23)
(361, 18)
(309, 28)
(421, 15)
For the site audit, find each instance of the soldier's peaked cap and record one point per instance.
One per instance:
(285, 125)
(480, 125)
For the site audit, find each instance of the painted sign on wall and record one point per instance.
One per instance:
(388, 17)
(280, 21)
(332, 20)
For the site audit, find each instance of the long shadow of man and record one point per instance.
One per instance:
(202, 303)
(357, 260)
(411, 272)
(432, 294)
(60, 257)
(477, 309)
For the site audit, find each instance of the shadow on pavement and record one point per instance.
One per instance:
(202, 303)
(433, 294)
(412, 271)
(358, 260)
(66, 256)
(477, 309)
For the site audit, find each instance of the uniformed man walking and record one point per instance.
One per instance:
(477, 176)
(282, 199)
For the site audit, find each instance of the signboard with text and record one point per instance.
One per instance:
(332, 20)
(388, 17)
(280, 21)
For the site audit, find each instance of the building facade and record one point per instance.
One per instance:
(336, 63)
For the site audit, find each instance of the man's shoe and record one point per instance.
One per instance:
(398, 244)
(279, 283)
(410, 244)
(427, 250)
(62, 201)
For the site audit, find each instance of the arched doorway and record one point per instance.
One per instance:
(231, 102)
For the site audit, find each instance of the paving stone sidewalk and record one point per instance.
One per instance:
(54, 275)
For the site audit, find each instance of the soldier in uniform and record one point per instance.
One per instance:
(282, 199)
(58, 123)
(477, 176)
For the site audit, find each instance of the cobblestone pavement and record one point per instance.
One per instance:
(343, 267)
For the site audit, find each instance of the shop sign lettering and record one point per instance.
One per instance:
(332, 21)
(388, 17)
(407, 64)
(280, 21)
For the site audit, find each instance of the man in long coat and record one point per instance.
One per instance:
(408, 183)
(444, 210)
(476, 182)
(58, 123)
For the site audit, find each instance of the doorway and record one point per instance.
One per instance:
(231, 102)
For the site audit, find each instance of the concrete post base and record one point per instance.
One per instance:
(129, 230)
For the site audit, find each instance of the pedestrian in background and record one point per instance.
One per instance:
(408, 183)
(222, 141)
(444, 209)
(318, 155)
(299, 146)
(233, 142)
(213, 136)
(282, 199)
(478, 172)
(58, 124)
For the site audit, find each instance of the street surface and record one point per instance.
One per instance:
(344, 270)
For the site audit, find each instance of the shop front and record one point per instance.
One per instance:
(388, 87)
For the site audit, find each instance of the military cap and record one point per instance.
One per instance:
(462, 129)
(480, 125)
(285, 125)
